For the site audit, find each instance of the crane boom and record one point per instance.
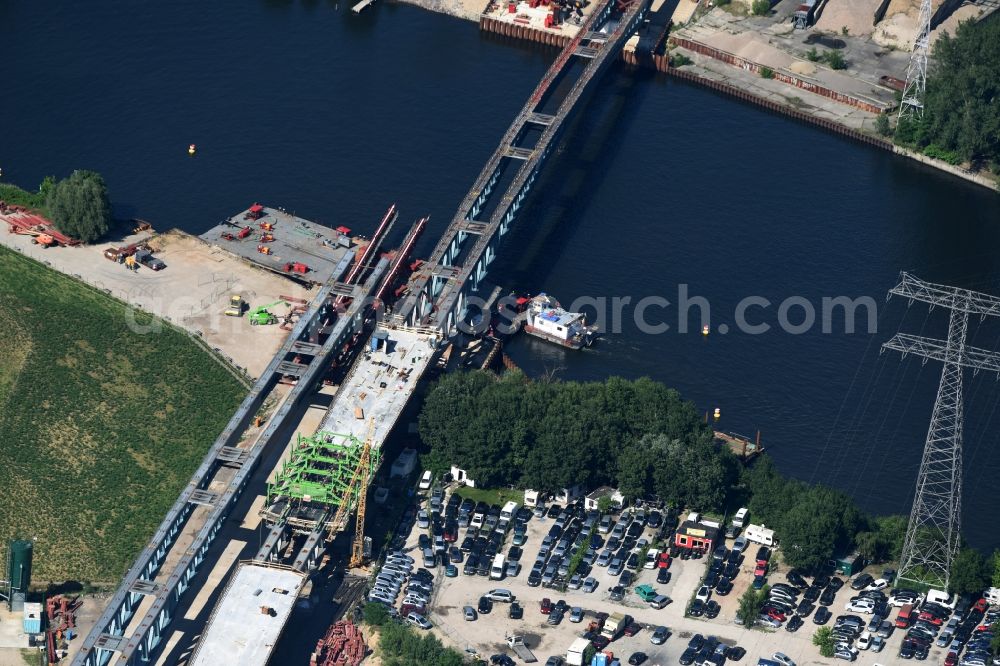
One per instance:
(358, 484)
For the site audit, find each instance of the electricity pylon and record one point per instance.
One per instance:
(932, 536)
(912, 102)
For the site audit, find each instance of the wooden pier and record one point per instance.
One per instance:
(743, 447)
(362, 6)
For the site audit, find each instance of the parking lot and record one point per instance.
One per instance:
(486, 635)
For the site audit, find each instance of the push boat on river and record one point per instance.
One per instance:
(544, 318)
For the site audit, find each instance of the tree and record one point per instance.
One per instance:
(961, 114)
(760, 7)
(882, 541)
(835, 60)
(996, 568)
(821, 522)
(375, 615)
(750, 604)
(823, 639)
(882, 124)
(79, 206)
(604, 504)
(970, 572)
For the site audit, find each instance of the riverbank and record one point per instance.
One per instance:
(763, 61)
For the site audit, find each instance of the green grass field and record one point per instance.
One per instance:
(100, 427)
(498, 496)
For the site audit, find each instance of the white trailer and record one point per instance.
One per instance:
(516, 643)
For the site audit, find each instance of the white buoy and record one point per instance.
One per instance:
(192, 149)
(718, 413)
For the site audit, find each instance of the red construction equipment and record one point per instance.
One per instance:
(263, 249)
(256, 212)
(295, 267)
(343, 645)
(266, 238)
(267, 226)
(244, 232)
(21, 221)
(61, 611)
(344, 230)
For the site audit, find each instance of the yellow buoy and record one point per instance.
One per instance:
(704, 329)
(718, 412)
(191, 149)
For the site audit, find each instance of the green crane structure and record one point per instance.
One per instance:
(322, 470)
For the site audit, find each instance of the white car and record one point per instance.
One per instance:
(783, 659)
(865, 640)
(877, 584)
(418, 620)
(703, 593)
(651, 556)
(860, 606)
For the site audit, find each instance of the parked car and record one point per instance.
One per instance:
(485, 605)
(418, 620)
(659, 636)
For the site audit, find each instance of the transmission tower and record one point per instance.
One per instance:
(932, 536)
(912, 103)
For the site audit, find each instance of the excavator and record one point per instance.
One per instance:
(261, 316)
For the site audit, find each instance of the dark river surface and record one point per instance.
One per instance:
(659, 184)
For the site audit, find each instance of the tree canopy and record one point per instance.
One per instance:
(961, 107)
(971, 572)
(638, 435)
(79, 206)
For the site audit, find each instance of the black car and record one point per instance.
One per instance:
(735, 653)
(794, 623)
(712, 579)
(626, 578)
(805, 608)
(724, 586)
(617, 593)
(502, 660)
(634, 530)
(812, 593)
(554, 511)
(655, 519)
(688, 657)
(637, 658)
(796, 579)
(822, 615)
(696, 642)
(763, 554)
(662, 576)
(697, 608)
(835, 583)
(485, 605)
(515, 612)
(861, 582)
(712, 609)
(534, 579)
(731, 571)
(826, 599)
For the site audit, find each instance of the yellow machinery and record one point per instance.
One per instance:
(236, 306)
(359, 485)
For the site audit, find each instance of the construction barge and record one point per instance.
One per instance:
(283, 243)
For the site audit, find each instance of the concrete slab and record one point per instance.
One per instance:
(250, 617)
(379, 384)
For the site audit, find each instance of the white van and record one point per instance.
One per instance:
(508, 510)
(740, 519)
(498, 569)
(941, 598)
(425, 480)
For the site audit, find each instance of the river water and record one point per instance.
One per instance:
(304, 105)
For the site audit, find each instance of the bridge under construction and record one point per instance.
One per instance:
(307, 498)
